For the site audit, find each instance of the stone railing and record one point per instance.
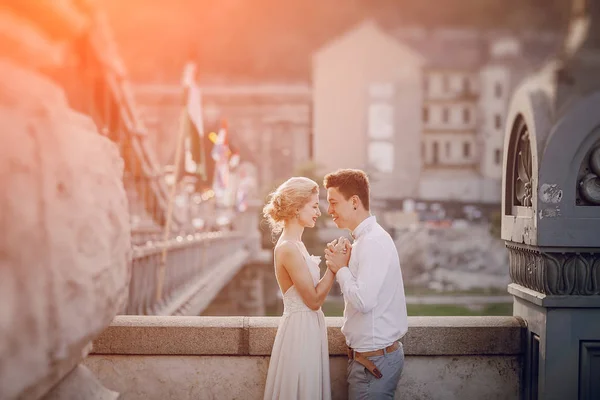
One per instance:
(227, 357)
(195, 262)
(198, 265)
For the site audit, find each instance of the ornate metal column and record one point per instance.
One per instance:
(551, 215)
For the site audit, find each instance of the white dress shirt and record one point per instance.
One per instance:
(375, 305)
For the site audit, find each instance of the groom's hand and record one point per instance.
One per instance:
(338, 245)
(331, 248)
(338, 256)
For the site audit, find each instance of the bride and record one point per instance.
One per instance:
(299, 366)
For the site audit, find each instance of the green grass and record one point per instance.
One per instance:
(336, 309)
(451, 310)
(422, 291)
(333, 308)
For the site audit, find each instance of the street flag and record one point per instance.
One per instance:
(220, 154)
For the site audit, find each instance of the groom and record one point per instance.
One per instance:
(369, 275)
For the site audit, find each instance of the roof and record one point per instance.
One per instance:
(371, 29)
(467, 48)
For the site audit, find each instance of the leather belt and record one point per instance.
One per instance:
(362, 359)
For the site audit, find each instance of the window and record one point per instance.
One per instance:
(381, 121)
(423, 150)
(436, 157)
(380, 150)
(498, 121)
(425, 114)
(447, 149)
(381, 156)
(497, 156)
(445, 115)
(445, 83)
(466, 149)
(466, 115)
(425, 85)
(498, 90)
(466, 85)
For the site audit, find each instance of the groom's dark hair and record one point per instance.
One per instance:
(350, 182)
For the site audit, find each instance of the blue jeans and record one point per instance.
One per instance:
(363, 385)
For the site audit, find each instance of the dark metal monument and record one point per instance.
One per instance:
(551, 215)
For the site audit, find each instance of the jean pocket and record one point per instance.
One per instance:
(396, 358)
(349, 366)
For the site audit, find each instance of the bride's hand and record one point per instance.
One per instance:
(329, 265)
(331, 245)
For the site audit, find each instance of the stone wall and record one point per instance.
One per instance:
(227, 357)
(65, 241)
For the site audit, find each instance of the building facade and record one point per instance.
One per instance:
(366, 93)
(268, 123)
(421, 110)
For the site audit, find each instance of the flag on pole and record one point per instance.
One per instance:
(221, 151)
(194, 158)
(241, 200)
(196, 134)
(220, 154)
(194, 108)
(234, 160)
(244, 188)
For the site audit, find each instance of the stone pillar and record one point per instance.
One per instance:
(64, 222)
(551, 215)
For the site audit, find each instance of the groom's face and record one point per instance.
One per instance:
(339, 208)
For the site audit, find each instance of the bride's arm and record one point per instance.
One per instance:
(295, 265)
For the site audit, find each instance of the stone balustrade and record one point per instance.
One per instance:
(197, 267)
(192, 261)
(151, 357)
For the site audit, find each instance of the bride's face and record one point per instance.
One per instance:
(307, 215)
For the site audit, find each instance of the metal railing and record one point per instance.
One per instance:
(191, 258)
(103, 92)
(168, 252)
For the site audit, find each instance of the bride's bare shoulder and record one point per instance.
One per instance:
(286, 249)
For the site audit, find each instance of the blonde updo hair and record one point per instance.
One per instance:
(284, 202)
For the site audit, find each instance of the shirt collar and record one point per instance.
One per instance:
(361, 229)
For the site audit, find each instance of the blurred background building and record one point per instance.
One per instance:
(420, 109)
(413, 93)
(270, 124)
(140, 143)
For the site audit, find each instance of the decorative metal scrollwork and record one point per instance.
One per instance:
(589, 182)
(555, 273)
(523, 168)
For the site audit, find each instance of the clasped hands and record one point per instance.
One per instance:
(337, 254)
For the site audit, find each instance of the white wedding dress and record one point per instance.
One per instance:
(299, 366)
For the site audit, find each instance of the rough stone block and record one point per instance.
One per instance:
(65, 243)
